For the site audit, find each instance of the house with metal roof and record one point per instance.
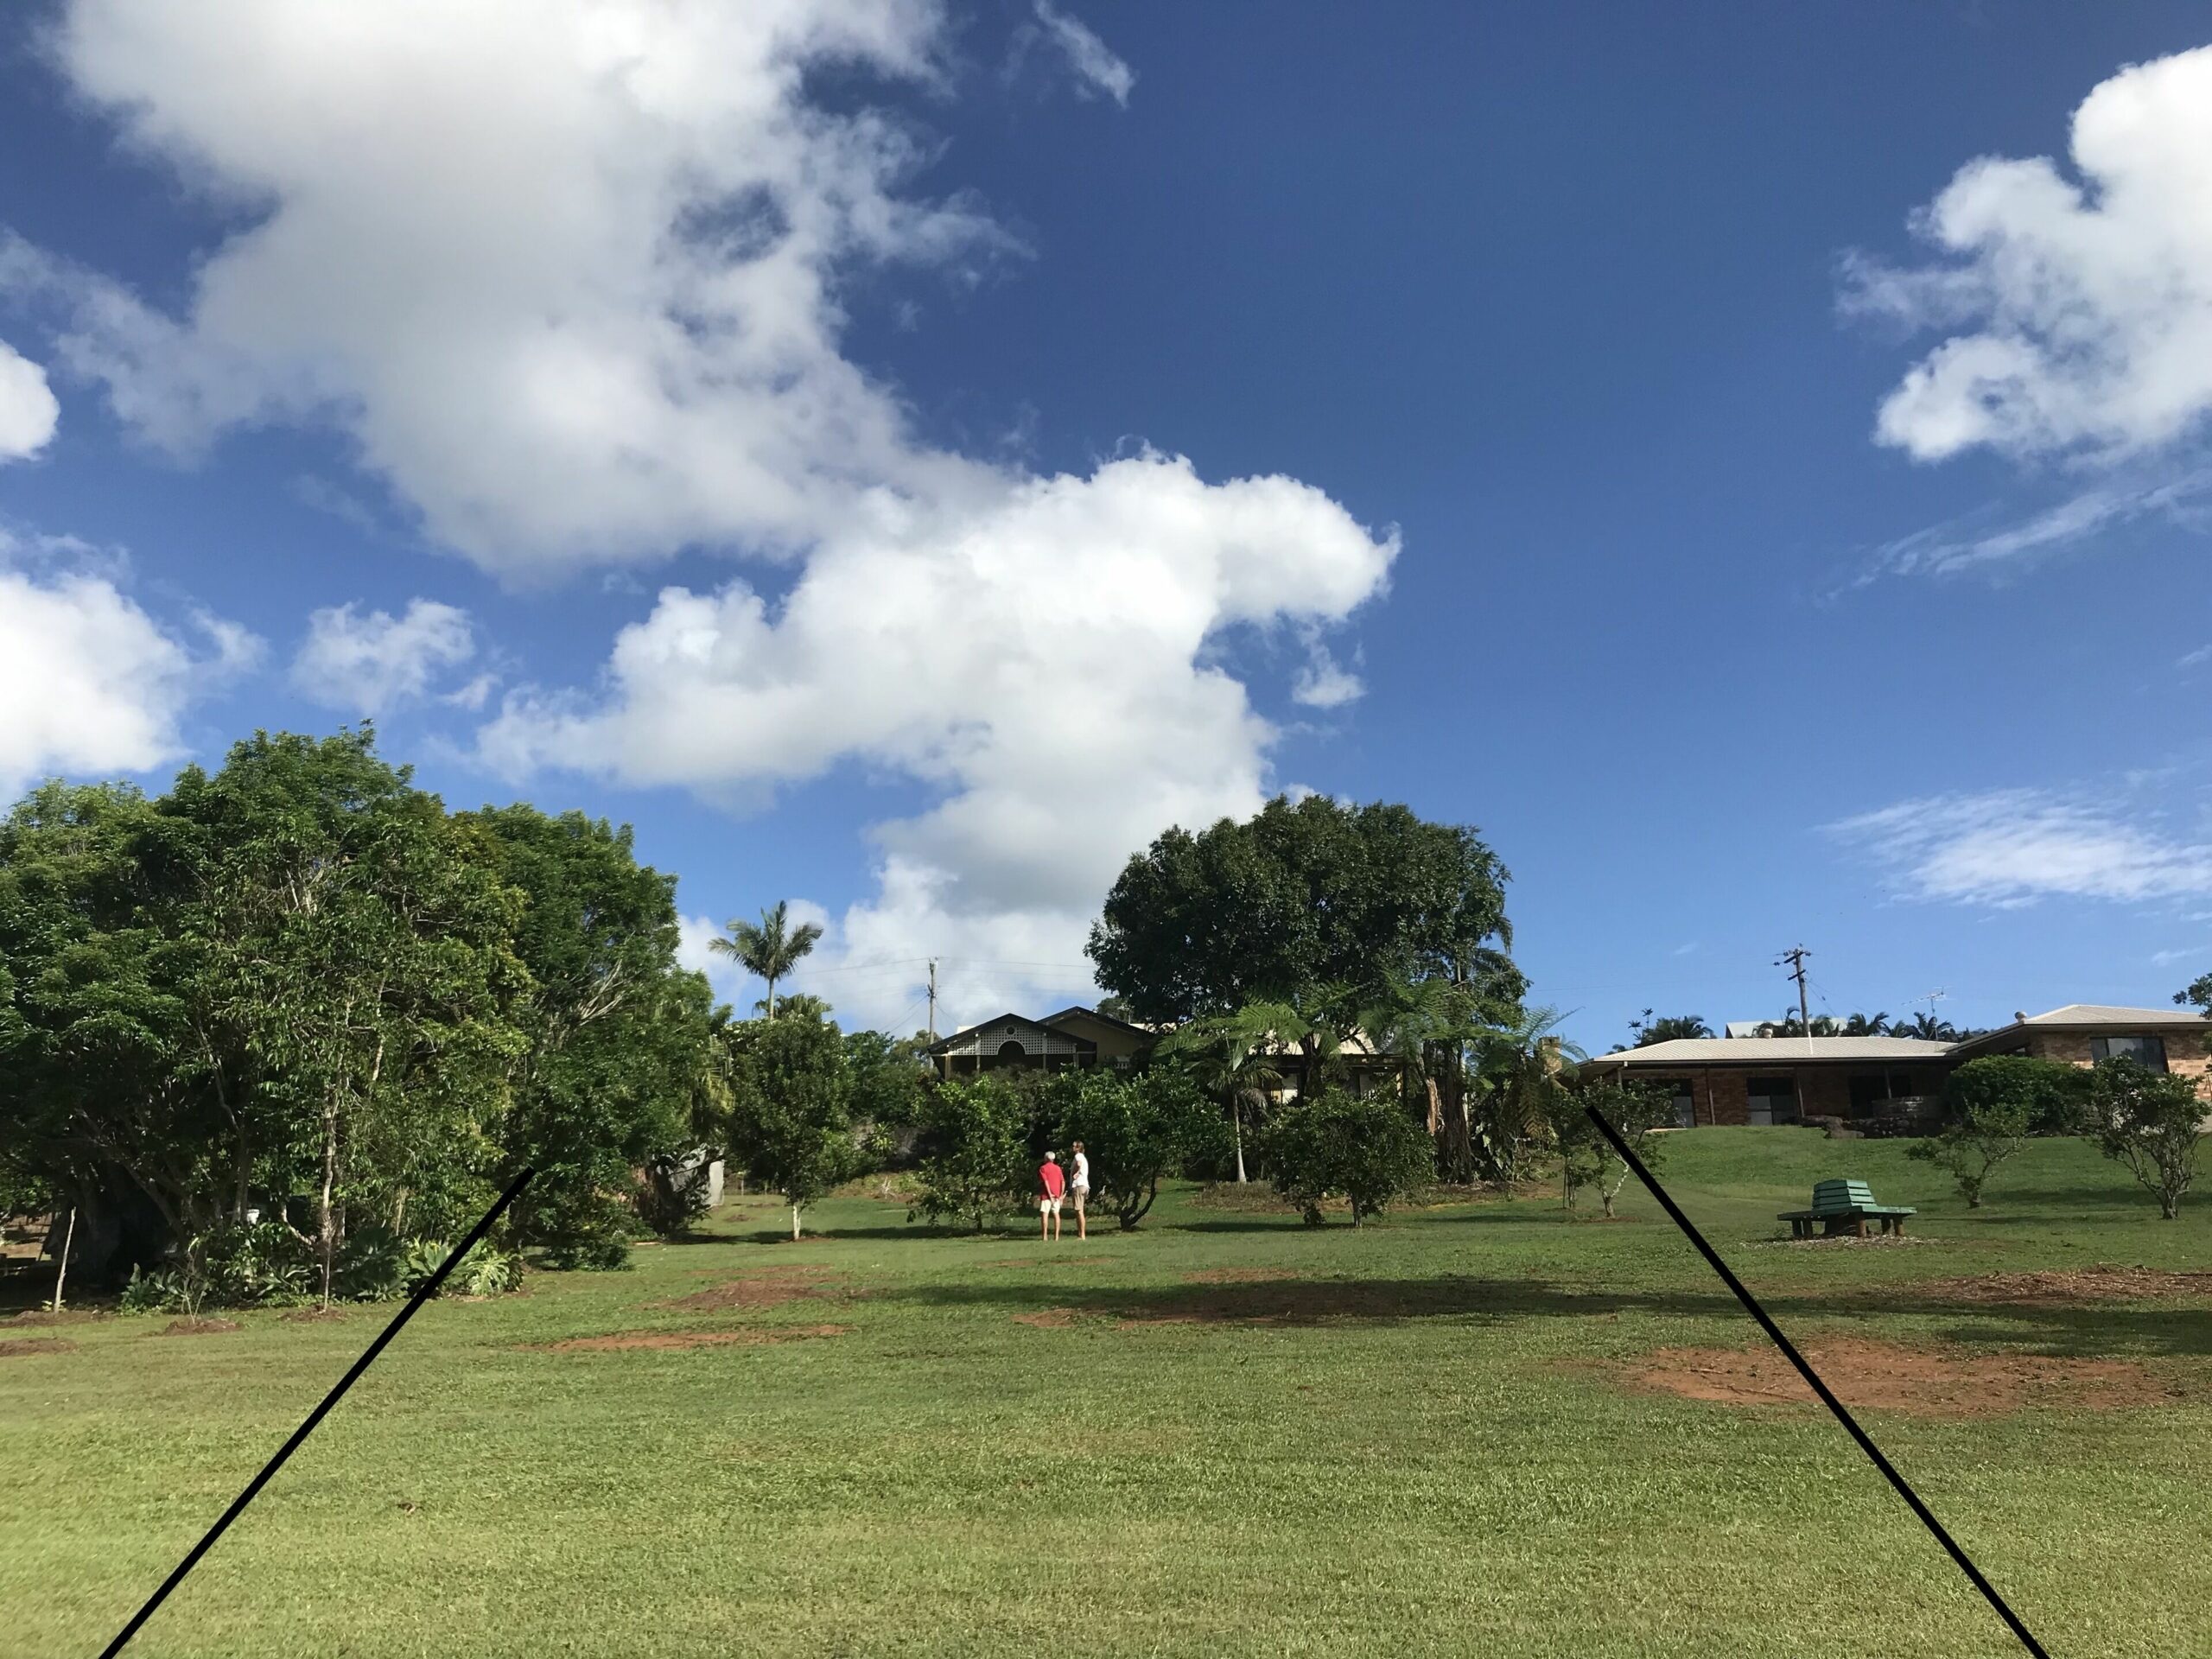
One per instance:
(1792, 1079)
(1075, 1037)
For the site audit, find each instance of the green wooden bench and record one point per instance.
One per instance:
(1844, 1207)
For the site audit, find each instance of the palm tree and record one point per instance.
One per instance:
(1927, 1028)
(1233, 1058)
(1418, 1029)
(1522, 1071)
(771, 948)
(1866, 1025)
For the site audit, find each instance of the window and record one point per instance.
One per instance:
(2143, 1051)
(1685, 1105)
(1773, 1100)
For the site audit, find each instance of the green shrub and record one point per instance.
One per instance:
(974, 1150)
(2151, 1121)
(1368, 1151)
(1586, 1158)
(1135, 1130)
(1988, 1130)
(2046, 1096)
(160, 1292)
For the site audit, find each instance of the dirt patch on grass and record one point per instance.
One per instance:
(1047, 1318)
(770, 1288)
(318, 1315)
(1238, 1276)
(16, 1345)
(198, 1327)
(623, 1341)
(40, 1316)
(2095, 1284)
(1887, 1376)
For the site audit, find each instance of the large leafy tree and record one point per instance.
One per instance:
(358, 959)
(771, 947)
(1235, 1057)
(608, 1079)
(976, 1148)
(1303, 896)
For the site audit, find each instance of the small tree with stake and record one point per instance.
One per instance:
(1587, 1159)
(789, 1108)
(2149, 1121)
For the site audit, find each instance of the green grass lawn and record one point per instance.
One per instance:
(1429, 1455)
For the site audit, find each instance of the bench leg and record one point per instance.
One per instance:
(1859, 1226)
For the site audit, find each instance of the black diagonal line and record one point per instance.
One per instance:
(1827, 1398)
(428, 1288)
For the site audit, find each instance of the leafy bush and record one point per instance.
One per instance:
(2149, 1121)
(1989, 1128)
(161, 1292)
(255, 1265)
(1368, 1150)
(1586, 1158)
(974, 1150)
(602, 1250)
(485, 1271)
(1135, 1130)
(372, 1268)
(2046, 1096)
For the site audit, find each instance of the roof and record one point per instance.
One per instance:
(2100, 1013)
(1103, 1019)
(1770, 1050)
(1006, 1022)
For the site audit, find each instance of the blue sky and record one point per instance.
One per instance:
(900, 458)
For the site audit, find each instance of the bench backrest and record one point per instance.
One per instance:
(1841, 1195)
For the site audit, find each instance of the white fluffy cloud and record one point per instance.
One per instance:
(28, 413)
(2008, 847)
(89, 682)
(569, 274)
(1040, 665)
(2086, 301)
(367, 664)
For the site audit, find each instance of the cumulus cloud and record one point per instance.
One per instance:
(563, 270)
(2009, 847)
(1323, 683)
(572, 276)
(28, 413)
(1095, 66)
(90, 683)
(2083, 304)
(1039, 665)
(367, 664)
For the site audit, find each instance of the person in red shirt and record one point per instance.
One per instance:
(1048, 1207)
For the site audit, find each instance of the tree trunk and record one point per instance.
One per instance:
(771, 997)
(326, 1216)
(794, 1224)
(62, 1273)
(1236, 1118)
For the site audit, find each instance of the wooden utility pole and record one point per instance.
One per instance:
(932, 999)
(1796, 959)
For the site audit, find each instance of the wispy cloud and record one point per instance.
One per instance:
(1097, 67)
(2009, 847)
(1974, 545)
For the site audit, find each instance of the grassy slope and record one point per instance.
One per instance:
(945, 1480)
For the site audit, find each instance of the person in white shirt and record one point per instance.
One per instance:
(1079, 1190)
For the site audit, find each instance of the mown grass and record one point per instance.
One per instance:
(1436, 1465)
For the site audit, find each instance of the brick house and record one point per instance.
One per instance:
(1784, 1079)
(1790, 1079)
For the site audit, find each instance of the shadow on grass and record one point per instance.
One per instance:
(2076, 1330)
(1318, 1302)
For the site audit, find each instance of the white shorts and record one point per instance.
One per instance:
(1048, 1206)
